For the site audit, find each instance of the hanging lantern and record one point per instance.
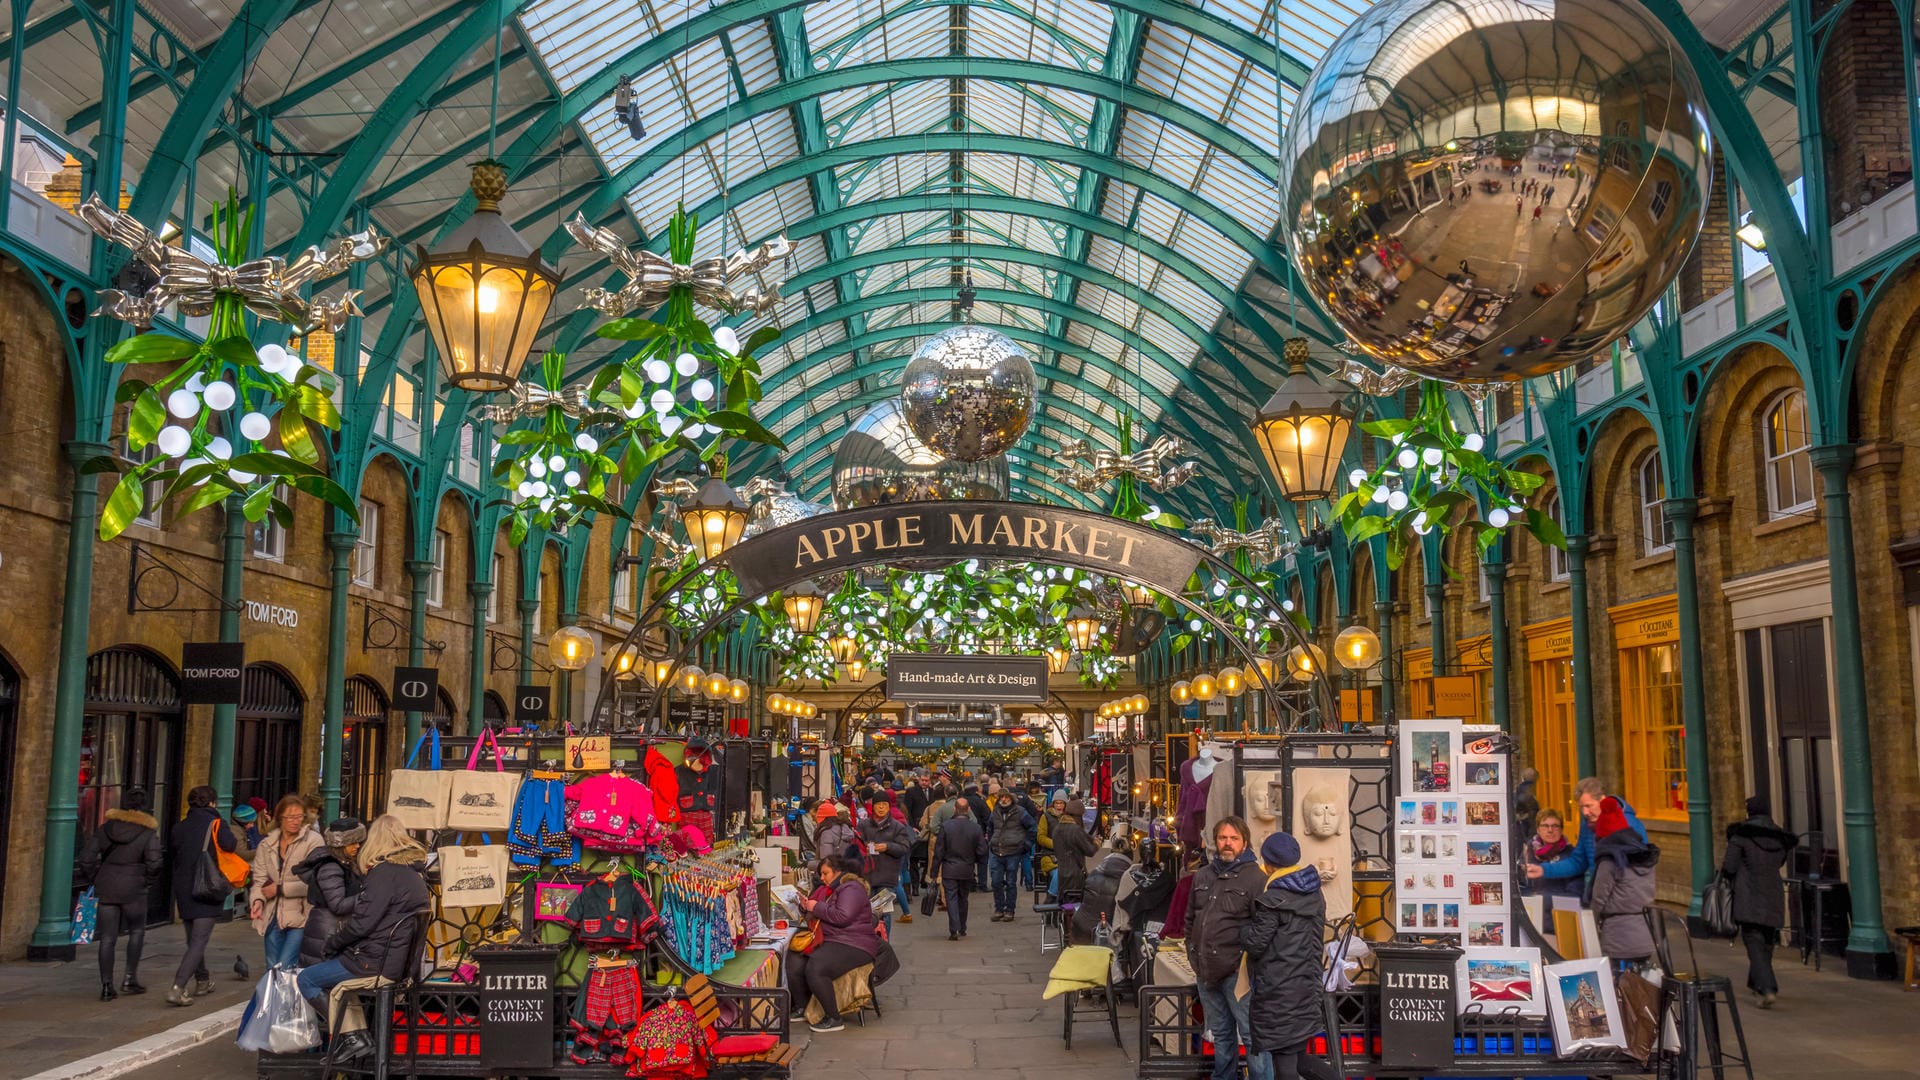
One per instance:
(1302, 430)
(845, 648)
(1057, 658)
(1204, 687)
(738, 691)
(716, 686)
(1137, 594)
(484, 292)
(1357, 648)
(1181, 692)
(692, 678)
(622, 661)
(1305, 662)
(1233, 682)
(1083, 627)
(803, 604)
(856, 669)
(774, 702)
(714, 517)
(569, 648)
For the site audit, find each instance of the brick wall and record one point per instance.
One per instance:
(1862, 108)
(1709, 270)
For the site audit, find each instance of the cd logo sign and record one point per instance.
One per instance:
(416, 689)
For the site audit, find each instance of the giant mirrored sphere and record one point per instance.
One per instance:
(969, 392)
(1489, 192)
(880, 460)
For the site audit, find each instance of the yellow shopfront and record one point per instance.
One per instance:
(1550, 695)
(1418, 673)
(1652, 732)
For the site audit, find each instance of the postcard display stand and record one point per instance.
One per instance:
(456, 1021)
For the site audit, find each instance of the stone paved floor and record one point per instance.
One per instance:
(971, 1010)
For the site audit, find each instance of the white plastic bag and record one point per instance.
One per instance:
(278, 1020)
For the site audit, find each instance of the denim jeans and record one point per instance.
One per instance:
(1227, 1026)
(314, 982)
(900, 885)
(1006, 882)
(283, 945)
(1026, 869)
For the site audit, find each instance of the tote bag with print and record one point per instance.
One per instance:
(473, 877)
(418, 797)
(480, 801)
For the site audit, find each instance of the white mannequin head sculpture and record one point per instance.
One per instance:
(1321, 815)
(1263, 797)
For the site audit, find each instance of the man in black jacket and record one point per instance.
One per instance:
(1220, 904)
(915, 800)
(1756, 849)
(889, 843)
(958, 851)
(982, 816)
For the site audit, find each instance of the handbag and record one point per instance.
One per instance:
(1640, 1014)
(86, 915)
(237, 870)
(1716, 908)
(472, 877)
(212, 874)
(482, 801)
(927, 899)
(418, 797)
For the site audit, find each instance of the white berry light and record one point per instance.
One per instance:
(662, 401)
(173, 440)
(702, 390)
(255, 426)
(658, 371)
(686, 364)
(220, 396)
(726, 340)
(586, 443)
(1498, 519)
(1473, 441)
(184, 404)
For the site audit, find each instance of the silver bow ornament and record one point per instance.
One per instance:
(650, 277)
(527, 401)
(1149, 466)
(1266, 543)
(269, 287)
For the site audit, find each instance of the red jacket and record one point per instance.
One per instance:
(664, 785)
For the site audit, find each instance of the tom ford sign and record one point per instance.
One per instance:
(940, 677)
(962, 530)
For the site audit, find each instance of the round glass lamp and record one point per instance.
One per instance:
(569, 648)
(715, 517)
(1269, 669)
(483, 292)
(1357, 648)
(1306, 661)
(803, 604)
(1204, 687)
(775, 704)
(1083, 627)
(716, 685)
(693, 678)
(1302, 429)
(738, 691)
(1140, 704)
(1233, 681)
(1181, 692)
(658, 671)
(622, 661)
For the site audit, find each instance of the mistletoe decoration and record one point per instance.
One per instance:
(1435, 477)
(953, 754)
(556, 474)
(187, 415)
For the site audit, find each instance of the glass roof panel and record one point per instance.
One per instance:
(863, 113)
(1005, 109)
(891, 230)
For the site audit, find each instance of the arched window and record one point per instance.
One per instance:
(1789, 461)
(1557, 556)
(1656, 533)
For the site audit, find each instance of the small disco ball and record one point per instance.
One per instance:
(880, 460)
(969, 392)
(1487, 193)
(781, 511)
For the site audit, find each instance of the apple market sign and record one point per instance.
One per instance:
(962, 530)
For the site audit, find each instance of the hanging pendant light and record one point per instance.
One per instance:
(1083, 626)
(692, 678)
(1057, 658)
(1302, 430)
(569, 648)
(845, 648)
(715, 517)
(1357, 648)
(484, 292)
(1181, 692)
(803, 604)
(738, 691)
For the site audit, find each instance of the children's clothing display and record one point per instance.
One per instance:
(612, 812)
(612, 913)
(710, 909)
(539, 829)
(663, 778)
(700, 784)
(669, 1042)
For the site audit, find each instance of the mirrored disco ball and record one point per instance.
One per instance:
(780, 511)
(880, 460)
(1489, 192)
(969, 392)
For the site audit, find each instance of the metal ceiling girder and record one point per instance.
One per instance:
(214, 83)
(789, 33)
(462, 151)
(1124, 45)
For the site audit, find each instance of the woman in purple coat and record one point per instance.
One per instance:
(843, 925)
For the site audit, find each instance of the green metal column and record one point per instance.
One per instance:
(341, 544)
(1384, 609)
(528, 609)
(1681, 513)
(1583, 751)
(53, 937)
(1497, 643)
(480, 661)
(563, 679)
(418, 570)
(1868, 954)
(233, 561)
(1437, 627)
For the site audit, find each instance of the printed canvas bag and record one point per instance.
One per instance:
(418, 797)
(481, 801)
(473, 877)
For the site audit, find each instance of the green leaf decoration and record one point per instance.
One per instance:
(631, 330)
(129, 498)
(742, 424)
(1365, 528)
(1545, 529)
(145, 420)
(235, 350)
(151, 348)
(257, 504)
(296, 439)
(316, 407)
(213, 492)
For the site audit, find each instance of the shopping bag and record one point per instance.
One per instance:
(1639, 1014)
(482, 801)
(418, 797)
(212, 877)
(86, 914)
(1716, 908)
(277, 1019)
(473, 877)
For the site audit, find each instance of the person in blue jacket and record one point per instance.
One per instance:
(1588, 793)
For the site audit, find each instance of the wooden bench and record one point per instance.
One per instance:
(776, 1060)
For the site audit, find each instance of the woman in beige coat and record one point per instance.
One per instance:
(277, 897)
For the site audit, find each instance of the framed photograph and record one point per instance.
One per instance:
(1409, 915)
(1429, 753)
(1487, 892)
(1483, 774)
(551, 899)
(1450, 915)
(1486, 854)
(1485, 812)
(1450, 812)
(1583, 1007)
(1409, 811)
(1449, 847)
(1429, 812)
(1430, 915)
(1486, 933)
(1498, 979)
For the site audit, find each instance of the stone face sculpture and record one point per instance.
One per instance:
(1320, 824)
(1261, 791)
